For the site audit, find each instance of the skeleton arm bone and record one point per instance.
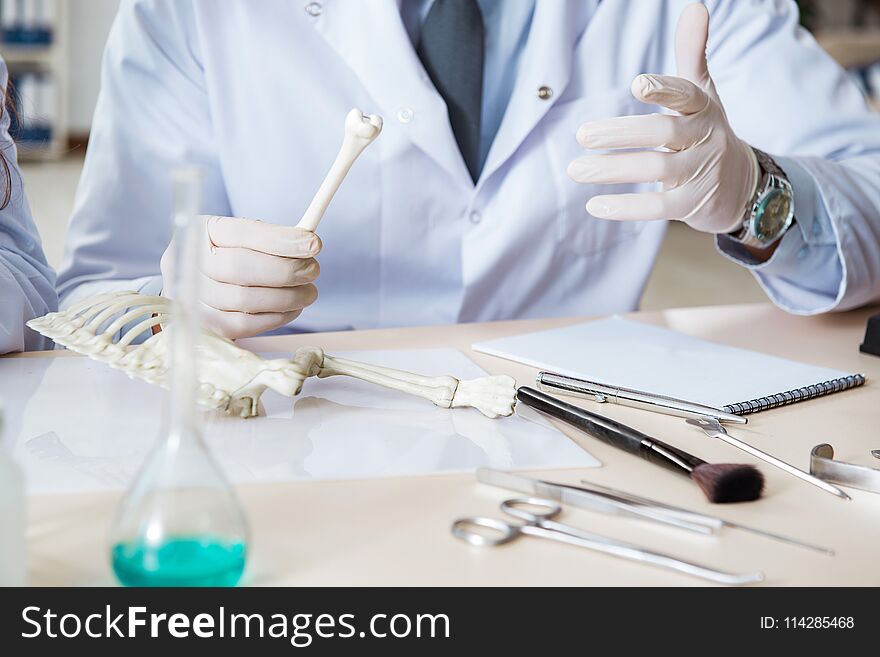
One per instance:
(493, 396)
(360, 131)
(233, 378)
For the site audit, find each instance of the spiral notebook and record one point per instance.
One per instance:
(631, 354)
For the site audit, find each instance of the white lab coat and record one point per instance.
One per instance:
(27, 282)
(256, 92)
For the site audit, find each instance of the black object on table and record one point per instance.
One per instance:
(871, 345)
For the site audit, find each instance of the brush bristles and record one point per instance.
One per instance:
(729, 482)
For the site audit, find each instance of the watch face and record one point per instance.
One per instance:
(773, 215)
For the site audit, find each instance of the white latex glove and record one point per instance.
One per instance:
(709, 176)
(256, 276)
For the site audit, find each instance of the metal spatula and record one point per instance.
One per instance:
(713, 429)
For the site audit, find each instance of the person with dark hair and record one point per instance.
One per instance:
(532, 157)
(27, 282)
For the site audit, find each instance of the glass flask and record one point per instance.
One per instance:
(180, 523)
(13, 564)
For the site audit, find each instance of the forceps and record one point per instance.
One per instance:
(539, 515)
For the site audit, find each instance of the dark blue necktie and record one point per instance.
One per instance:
(451, 49)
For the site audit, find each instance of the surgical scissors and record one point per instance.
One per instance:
(538, 516)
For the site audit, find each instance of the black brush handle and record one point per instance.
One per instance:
(610, 431)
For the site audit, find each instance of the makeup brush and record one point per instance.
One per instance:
(720, 482)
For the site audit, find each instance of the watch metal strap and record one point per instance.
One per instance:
(772, 176)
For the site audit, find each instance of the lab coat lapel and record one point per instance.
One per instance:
(371, 38)
(546, 62)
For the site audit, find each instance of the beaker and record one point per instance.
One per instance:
(180, 523)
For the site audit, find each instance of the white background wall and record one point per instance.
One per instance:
(89, 24)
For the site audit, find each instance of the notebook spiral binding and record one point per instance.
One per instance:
(796, 395)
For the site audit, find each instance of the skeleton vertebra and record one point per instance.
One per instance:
(232, 378)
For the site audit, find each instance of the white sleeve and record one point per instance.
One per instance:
(152, 116)
(785, 95)
(27, 283)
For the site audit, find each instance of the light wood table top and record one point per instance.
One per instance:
(396, 531)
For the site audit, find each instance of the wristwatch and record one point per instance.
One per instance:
(771, 211)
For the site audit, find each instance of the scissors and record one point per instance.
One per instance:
(539, 515)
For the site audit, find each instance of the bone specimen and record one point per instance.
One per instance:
(232, 378)
(360, 131)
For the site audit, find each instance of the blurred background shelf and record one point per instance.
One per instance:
(853, 48)
(15, 55)
(33, 42)
(857, 49)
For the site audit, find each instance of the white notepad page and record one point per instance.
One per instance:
(631, 354)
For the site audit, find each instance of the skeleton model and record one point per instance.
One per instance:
(232, 378)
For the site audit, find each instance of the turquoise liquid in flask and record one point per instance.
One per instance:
(180, 561)
(180, 523)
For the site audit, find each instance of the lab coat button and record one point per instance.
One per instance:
(475, 217)
(545, 92)
(405, 115)
(314, 9)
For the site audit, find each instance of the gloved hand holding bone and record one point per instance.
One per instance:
(258, 276)
(709, 176)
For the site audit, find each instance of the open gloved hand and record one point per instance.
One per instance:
(256, 276)
(709, 176)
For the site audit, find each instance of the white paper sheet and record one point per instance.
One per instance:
(77, 425)
(631, 354)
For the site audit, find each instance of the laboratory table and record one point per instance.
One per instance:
(395, 531)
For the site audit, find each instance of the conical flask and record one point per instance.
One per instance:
(13, 566)
(180, 523)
